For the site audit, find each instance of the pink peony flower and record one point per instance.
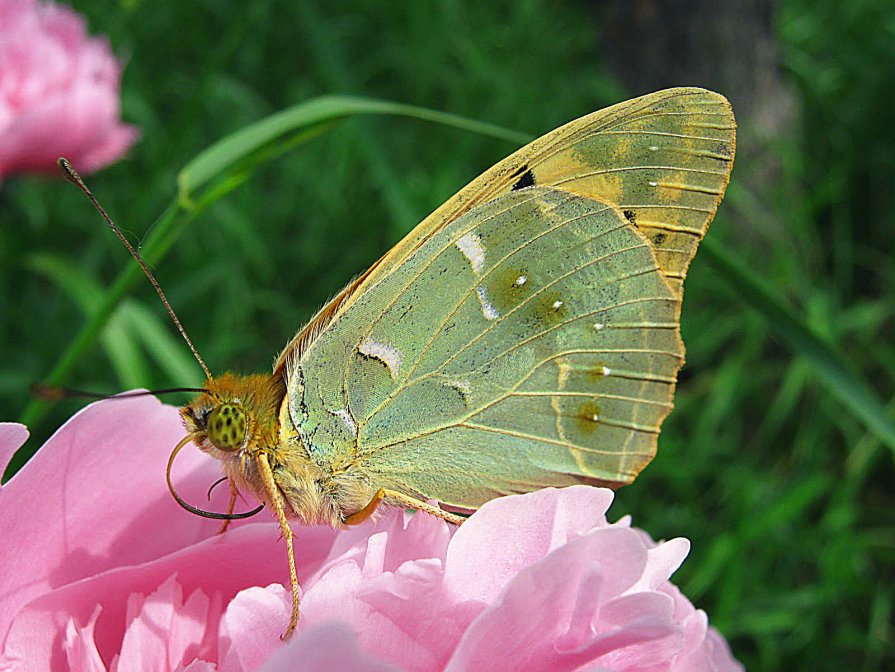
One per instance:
(58, 92)
(103, 571)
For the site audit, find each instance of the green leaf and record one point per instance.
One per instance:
(308, 119)
(824, 358)
(117, 336)
(165, 347)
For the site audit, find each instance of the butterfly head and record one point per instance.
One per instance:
(235, 415)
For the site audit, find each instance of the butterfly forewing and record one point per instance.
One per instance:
(663, 158)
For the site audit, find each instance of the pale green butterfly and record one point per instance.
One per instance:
(524, 335)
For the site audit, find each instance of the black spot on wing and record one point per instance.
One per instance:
(631, 216)
(527, 179)
(722, 151)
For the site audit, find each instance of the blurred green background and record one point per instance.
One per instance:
(783, 490)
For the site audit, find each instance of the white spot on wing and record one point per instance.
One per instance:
(607, 371)
(347, 419)
(653, 184)
(489, 311)
(461, 386)
(521, 280)
(557, 304)
(471, 247)
(385, 353)
(598, 326)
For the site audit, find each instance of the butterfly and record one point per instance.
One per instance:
(525, 335)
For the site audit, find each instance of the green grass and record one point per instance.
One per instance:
(771, 464)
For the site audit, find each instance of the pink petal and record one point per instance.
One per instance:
(540, 608)
(113, 143)
(339, 593)
(714, 655)
(80, 648)
(59, 91)
(97, 502)
(415, 602)
(407, 536)
(534, 581)
(12, 437)
(664, 560)
(510, 533)
(220, 567)
(324, 648)
(252, 626)
(629, 607)
(163, 631)
(64, 124)
(198, 666)
(705, 648)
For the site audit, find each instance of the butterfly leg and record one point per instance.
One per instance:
(360, 516)
(233, 493)
(412, 503)
(276, 501)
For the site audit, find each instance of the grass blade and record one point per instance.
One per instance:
(825, 360)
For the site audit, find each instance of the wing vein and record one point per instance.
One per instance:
(591, 395)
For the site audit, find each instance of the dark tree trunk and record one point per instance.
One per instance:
(729, 47)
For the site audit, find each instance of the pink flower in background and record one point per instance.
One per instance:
(103, 571)
(58, 92)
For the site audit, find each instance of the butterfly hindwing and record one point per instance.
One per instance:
(526, 334)
(531, 342)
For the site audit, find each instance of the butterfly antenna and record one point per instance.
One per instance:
(49, 392)
(73, 177)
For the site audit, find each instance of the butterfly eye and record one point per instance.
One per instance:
(227, 427)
